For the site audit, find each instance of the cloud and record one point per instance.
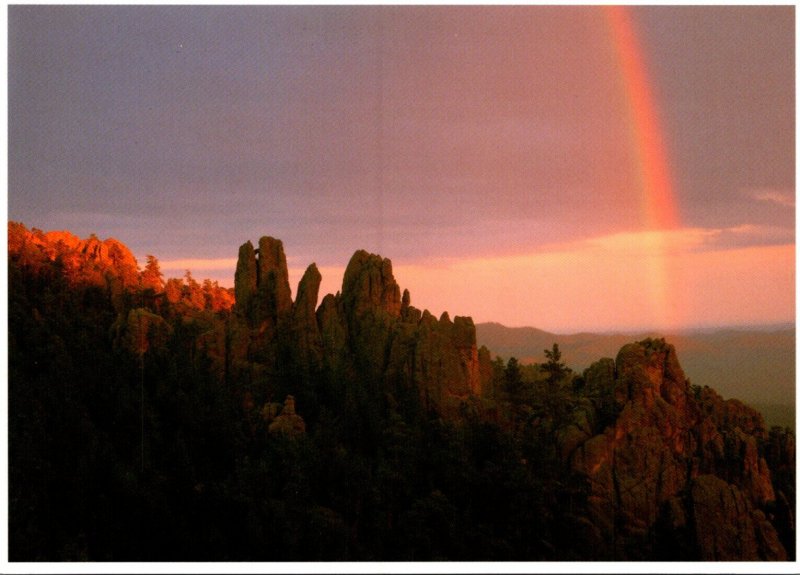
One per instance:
(198, 264)
(656, 242)
(686, 240)
(634, 280)
(780, 197)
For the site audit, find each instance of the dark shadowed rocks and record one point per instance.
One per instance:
(729, 435)
(369, 285)
(307, 347)
(262, 289)
(673, 455)
(274, 293)
(333, 335)
(246, 278)
(446, 363)
(716, 521)
(643, 438)
(288, 422)
(368, 334)
(628, 461)
(371, 305)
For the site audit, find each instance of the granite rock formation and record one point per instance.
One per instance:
(407, 418)
(367, 333)
(644, 439)
(678, 455)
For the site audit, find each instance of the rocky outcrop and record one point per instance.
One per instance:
(91, 261)
(369, 285)
(274, 293)
(445, 361)
(637, 462)
(307, 347)
(371, 306)
(643, 438)
(245, 279)
(651, 463)
(263, 295)
(715, 521)
(288, 422)
(368, 333)
(333, 335)
(729, 434)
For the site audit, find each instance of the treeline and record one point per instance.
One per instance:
(123, 451)
(144, 426)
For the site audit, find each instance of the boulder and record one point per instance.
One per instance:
(288, 422)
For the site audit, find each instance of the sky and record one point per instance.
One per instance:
(571, 168)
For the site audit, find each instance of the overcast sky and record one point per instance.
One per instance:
(488, 151)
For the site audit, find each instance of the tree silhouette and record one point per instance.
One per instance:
(556, 369)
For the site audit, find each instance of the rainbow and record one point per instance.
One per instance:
(659, 205)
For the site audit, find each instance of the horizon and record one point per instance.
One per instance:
(332, 282)
(571, 168)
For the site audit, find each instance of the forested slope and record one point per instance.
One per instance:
(153, 420)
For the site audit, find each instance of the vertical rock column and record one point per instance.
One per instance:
(245, 280)
(371, 306)
(274, 293)
(305, 331)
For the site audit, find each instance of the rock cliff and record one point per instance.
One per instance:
(678, 455)
(367, 333)
(262, 289)
(628, 461)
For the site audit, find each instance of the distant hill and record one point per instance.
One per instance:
(755, 365)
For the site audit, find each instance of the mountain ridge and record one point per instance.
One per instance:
(357, 427)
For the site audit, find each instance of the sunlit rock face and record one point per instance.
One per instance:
(91, 261)
(653, 459)
(637, 462)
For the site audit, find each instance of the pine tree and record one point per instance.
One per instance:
(152, 278)
(555, 368)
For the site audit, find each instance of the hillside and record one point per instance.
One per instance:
(754, 365)
(158, 423)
